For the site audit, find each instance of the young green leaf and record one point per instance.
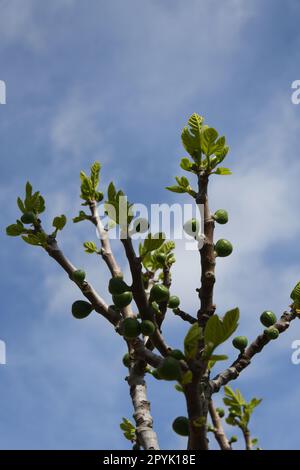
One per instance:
(191, 341)
(59, 222)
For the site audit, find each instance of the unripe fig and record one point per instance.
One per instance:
(28, 218)
(295, 295)
(174, 301)
(79, 276)
(177, 354)
(147, 328)
(268, 318)
(117, 286)
(161, 258)
(271, 332)
(181, 426)
(155, 307)
(159, 293)
(240, 342)
(81, 309)
(155, 374)
(140, 225)
(126, 360)
(170, 369)
(131, 328)
(233, 439)
(122, 300)
(220, 412)
(223, 248)
(221, 216)
(192, 227)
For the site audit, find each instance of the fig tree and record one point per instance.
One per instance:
(192, 227)
(177, 354)
(81, 309)
(240, 342)
(122, 300)
(28, 218)
(271, 332)
(79, 276)
(268, 318)
(181, 426)
(131, 328)
(174, 301)
(221, 216)
(159, 293)
(117, 286)
(126, 360)
(147, 328)
(170, 369)
(223, 248)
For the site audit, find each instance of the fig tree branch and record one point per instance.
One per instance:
(87, 289)
(106, 252)
(140, 296)
(244, 359)
(184, 316)
(207, 254)
(218, 427)
(146, 436)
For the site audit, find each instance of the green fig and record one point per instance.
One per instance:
(268, 318)
(159, 293)
(181, 426)
(174, 301)
(79, 276)
(221, 216)
(271, 332)
(177, 354)
(28, 218)
(170, 369)
(220, 412)
(295, 295)
(140, 225)
(192, 227)
(131, 328)
(233, 439)
(147, 328)
(223, 248)
(81, 309)
(155, 374)
(122, 300)
(126, 360)
(240, 342)
(117, 286)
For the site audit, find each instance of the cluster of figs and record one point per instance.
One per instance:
(222, 247)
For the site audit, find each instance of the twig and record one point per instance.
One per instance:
(185, 316)
(106, 251)
(218, 427)
(244, 359)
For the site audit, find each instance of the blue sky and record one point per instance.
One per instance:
(116, 81)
